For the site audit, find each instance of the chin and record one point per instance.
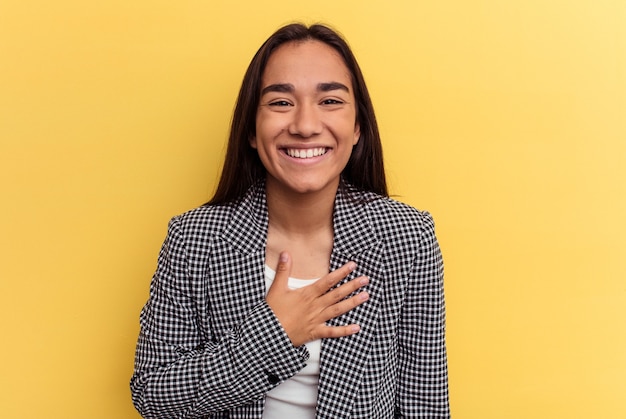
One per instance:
(304, 187)
(308, 188)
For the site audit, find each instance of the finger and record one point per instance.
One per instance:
(344, 306)
(335, 295)
(334, 278)
(338, 331)
(283, 270)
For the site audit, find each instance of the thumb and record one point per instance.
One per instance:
(283, 270)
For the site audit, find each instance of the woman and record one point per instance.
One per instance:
(350, 323)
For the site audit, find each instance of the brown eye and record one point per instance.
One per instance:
(279, 103)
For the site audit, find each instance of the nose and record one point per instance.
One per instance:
(306, 121)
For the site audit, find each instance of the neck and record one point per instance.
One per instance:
(300, 214)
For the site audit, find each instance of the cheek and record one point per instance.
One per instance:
(349, 129)
(266, 130)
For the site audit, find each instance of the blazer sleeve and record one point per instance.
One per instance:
(423, 376)
(178, 373)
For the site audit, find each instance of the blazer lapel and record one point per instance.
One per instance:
(344, 360)
(247, 230)
(237, 263)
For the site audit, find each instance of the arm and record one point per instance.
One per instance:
(179, 373)
(423, 375)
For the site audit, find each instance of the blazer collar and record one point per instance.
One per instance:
(247, 230)
(352, 226)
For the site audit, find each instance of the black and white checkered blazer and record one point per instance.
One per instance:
(210, 346)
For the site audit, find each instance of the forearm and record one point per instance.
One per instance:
(240, 368)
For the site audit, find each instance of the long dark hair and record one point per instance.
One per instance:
(243, 167)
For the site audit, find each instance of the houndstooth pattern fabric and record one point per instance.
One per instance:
(210, 346)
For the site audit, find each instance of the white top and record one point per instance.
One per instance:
(297, 396)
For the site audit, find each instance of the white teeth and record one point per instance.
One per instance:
(306, 154)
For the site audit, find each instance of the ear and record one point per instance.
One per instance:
(252, 141)
(357, 133)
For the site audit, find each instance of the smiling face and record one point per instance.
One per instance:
(306, 120)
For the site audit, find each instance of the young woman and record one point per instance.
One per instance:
(301, 289)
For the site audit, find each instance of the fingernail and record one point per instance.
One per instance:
(364, 296)
(364, 281)
(283, 257)
(356, 328)
(352, 266)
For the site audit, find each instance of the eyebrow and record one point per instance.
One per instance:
(334, 85)
(289, 88)
(279, 88)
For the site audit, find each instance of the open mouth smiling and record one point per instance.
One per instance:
(308, 153)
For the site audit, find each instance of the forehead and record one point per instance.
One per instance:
(305, 61)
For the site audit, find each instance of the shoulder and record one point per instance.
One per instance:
(393, 212)
(227, 219)
(207, 219)
(393, 220)
(194, 231)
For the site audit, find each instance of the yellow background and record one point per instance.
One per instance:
(505, 119)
